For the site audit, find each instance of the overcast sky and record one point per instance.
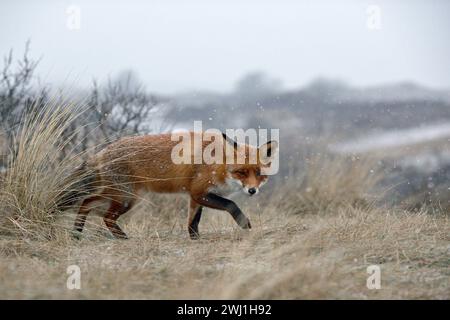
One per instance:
(204, 44)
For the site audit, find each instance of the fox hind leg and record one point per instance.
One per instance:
(116, 209)
(194, 216)
(82, 214)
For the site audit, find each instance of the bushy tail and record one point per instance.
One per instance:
(82, 183)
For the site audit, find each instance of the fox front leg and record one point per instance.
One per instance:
(214, 201)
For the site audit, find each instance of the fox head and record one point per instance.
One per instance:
(251, 173)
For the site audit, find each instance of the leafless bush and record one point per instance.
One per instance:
(122, 106)
(16, 88)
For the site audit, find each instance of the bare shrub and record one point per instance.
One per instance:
(16, 92)
(122, 106)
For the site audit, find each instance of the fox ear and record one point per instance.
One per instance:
(267, 150)
(230, 141)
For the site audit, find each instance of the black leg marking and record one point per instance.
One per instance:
(215, 201)
(193, 227)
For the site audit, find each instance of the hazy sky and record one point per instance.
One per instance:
(205, 44)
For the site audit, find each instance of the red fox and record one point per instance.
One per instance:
(144, 163)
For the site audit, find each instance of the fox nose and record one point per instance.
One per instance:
(252, 191)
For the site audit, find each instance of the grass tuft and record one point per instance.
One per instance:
(39, 171)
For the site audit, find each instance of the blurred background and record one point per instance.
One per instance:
(356, 79)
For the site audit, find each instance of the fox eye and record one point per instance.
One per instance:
(241, 172)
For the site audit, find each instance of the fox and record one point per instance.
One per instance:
(136, 164)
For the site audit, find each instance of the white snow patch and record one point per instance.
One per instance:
(394, 138)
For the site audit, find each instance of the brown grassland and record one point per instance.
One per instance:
(312, 238)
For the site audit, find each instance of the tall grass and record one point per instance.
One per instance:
(39, 171)
(329, 181)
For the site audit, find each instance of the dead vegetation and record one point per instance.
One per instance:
(294, 257)
(38, 172)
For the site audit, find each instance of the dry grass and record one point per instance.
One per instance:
(311, 239)
(38, 172)
(329, 182)
(305, 257)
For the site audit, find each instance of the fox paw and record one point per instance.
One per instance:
(76, 235)
(194, 236)
(244, 222)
